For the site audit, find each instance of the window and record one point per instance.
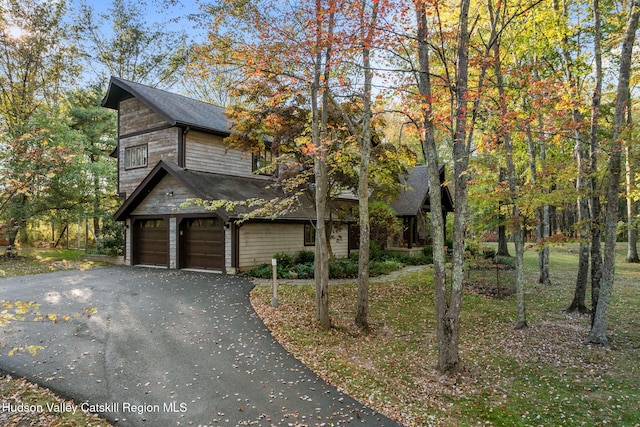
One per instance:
(135, 157)
(309, 235)
(262, 162)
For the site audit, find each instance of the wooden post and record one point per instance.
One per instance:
(274, 299)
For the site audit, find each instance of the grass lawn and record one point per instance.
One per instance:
(36, 261)
(540, 376)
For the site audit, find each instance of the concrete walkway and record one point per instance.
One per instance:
(167, 348)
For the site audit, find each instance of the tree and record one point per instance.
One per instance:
(96, 129)
(598, 333)
(36, 61)
(133, 49)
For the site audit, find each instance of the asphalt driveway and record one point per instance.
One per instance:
(167, 348)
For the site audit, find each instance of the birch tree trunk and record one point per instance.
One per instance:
(598, 334)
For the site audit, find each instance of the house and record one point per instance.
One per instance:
(171, 149)
(412, 204)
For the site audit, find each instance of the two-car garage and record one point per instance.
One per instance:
(200, 242)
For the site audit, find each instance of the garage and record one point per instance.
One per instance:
(151, 242)
(202, 243)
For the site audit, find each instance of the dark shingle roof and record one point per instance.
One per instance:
(213, 186)
(415, 196)
(176, 109)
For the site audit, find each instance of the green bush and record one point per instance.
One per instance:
(343, 268)
(305, 270)
(428, 251)
(305, 257)
(284, 259)
(379, 268)
(265, 271)
(488, 252)
(375, 250)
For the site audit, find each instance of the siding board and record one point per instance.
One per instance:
(260, 241)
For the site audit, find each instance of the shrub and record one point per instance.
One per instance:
(304, 257)
(284, 259)
(343, 268)
(375, 251)
(112, 238)
(488, 253)
(305, 270)
(379, 268)
(265, 271)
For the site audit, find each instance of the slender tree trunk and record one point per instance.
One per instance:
(363, 187)
(632, 235)
(446, 361)
(503, 248)
(512, 178)
(320, 135)
(594, 197)
(582, 182)
(542, 213)
(598, 334)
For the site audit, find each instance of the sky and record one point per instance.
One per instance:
(174, 14)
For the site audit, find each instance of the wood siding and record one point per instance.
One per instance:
(166, 198)
(139, 125)
(260, 241)
(135, 117)
(208, 153)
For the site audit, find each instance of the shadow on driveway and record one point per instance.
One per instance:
(167, 348)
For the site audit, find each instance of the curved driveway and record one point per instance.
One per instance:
(167, 348)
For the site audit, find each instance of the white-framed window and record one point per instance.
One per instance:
(135, 157)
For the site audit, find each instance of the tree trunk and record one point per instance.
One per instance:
(594, 146)
(598, 334)
(503, 248)
(362, 308)
(512, 178)
(632, 236)
(542, 213)
(448, 360)
(585, 216)
(320, 135)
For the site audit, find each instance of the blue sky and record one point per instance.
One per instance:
(172, 13)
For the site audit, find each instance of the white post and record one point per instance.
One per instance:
(274, 299)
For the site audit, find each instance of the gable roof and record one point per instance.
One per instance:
(213, 186)
(176, 109)
(415, 197)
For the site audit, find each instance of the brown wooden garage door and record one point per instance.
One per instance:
(151, 242)
(202, 243)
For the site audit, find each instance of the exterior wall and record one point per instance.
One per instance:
(260, 241)
(166, 198)
(128, 245)
(173, 243)
(140, 125)
(228, 251)
(134, 116)
(208, 153)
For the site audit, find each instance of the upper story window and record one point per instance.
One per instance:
(135, 157)
(263, 162)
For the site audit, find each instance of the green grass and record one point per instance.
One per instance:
(36, 261)
(544, 375)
